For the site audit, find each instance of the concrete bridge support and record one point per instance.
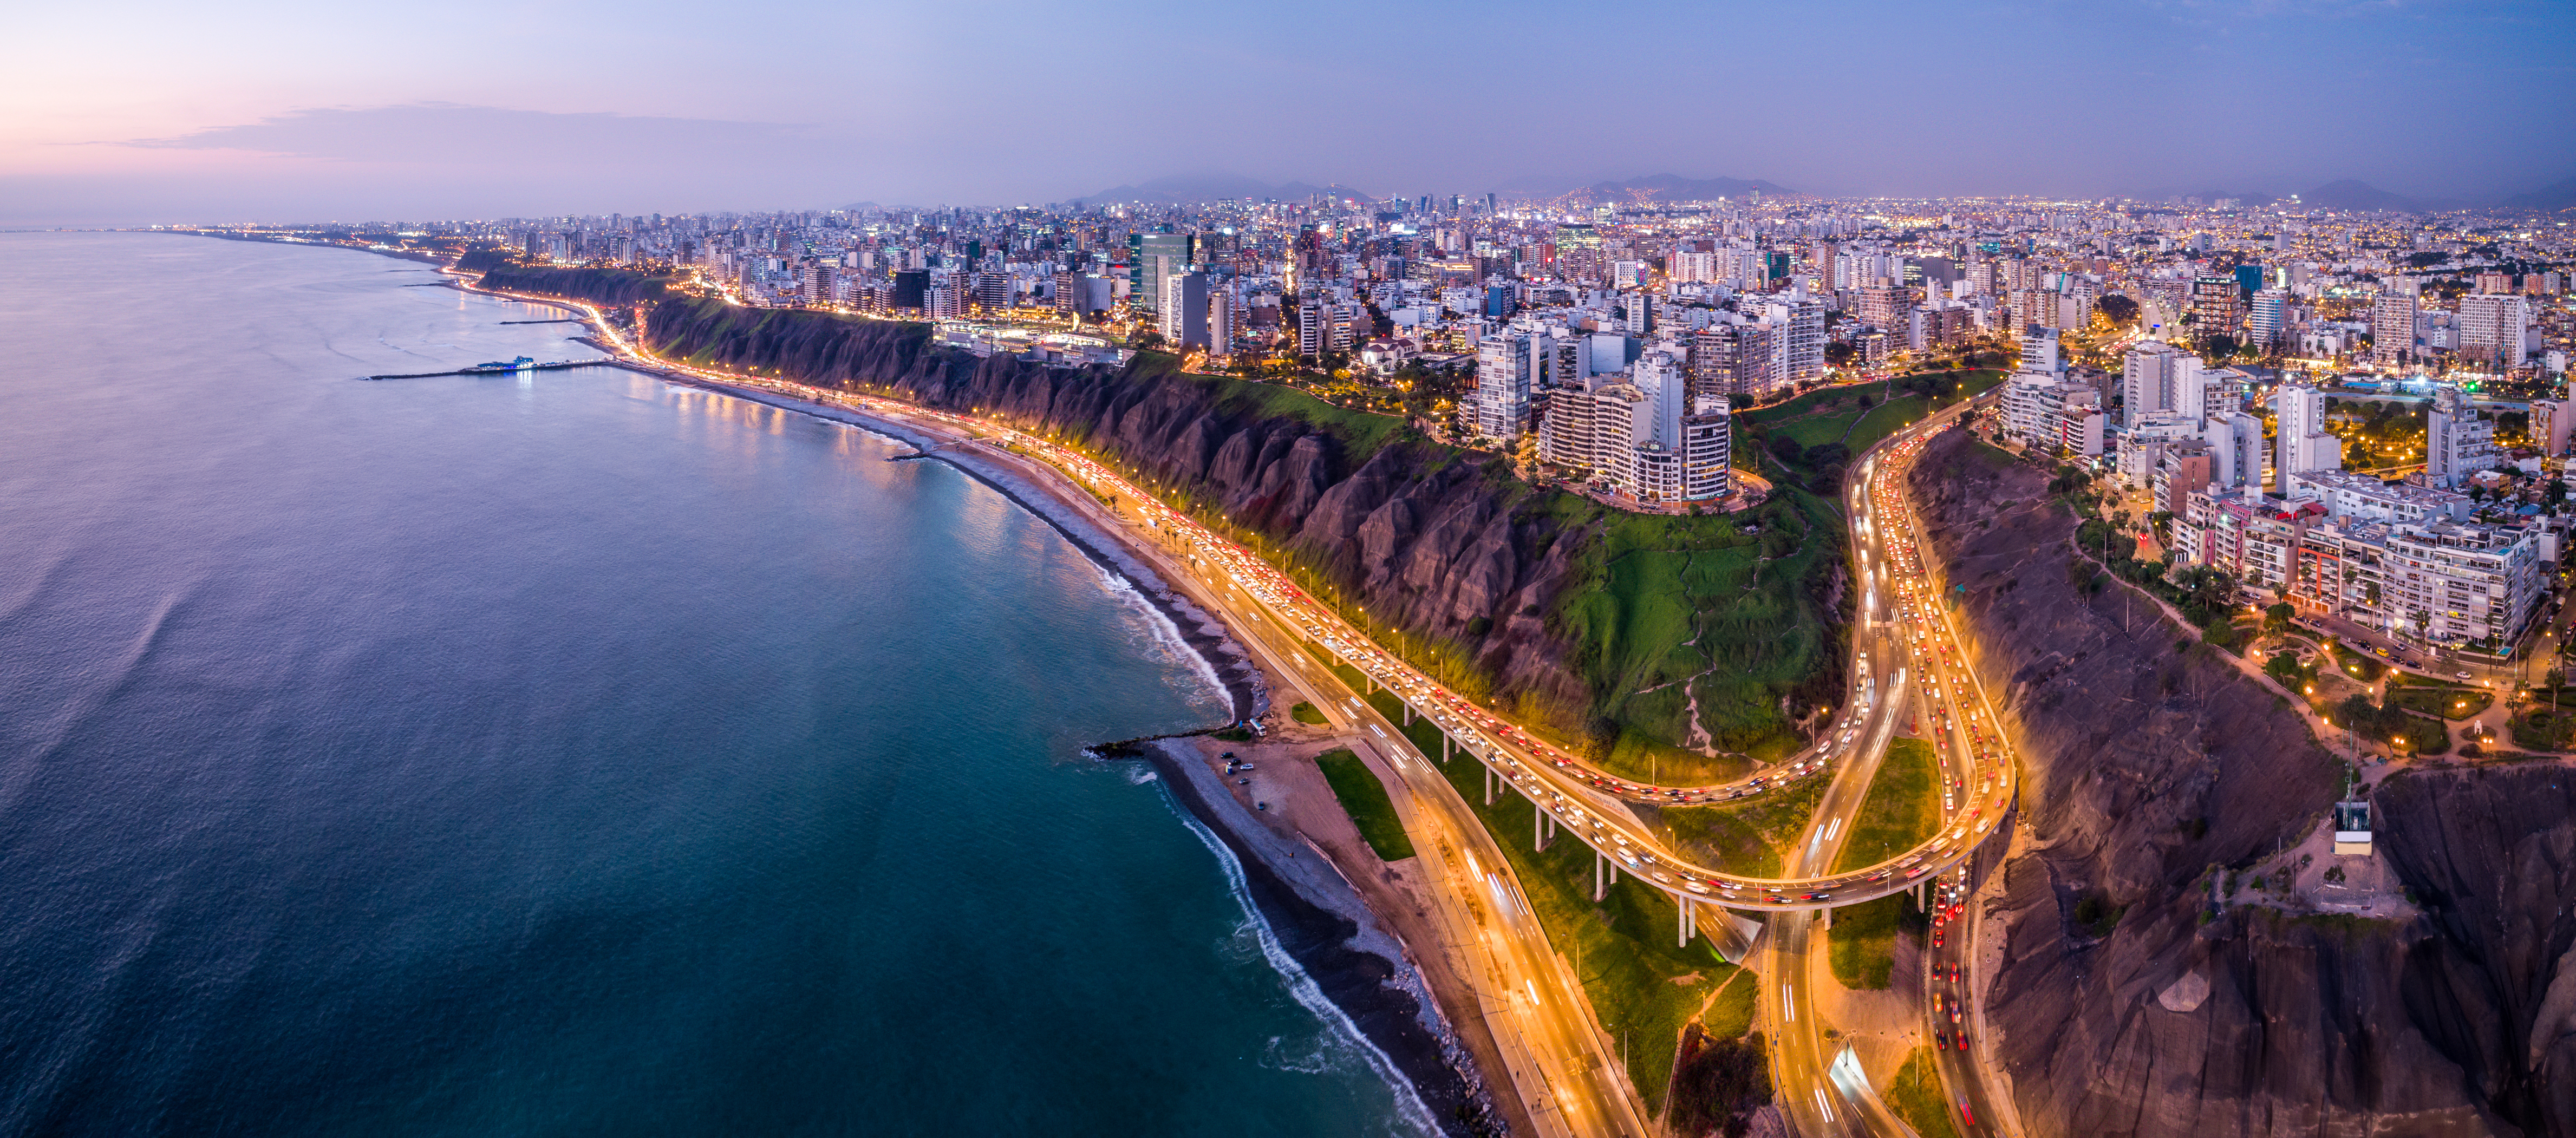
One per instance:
(1489, 786)
(1445, 744)
(1687, 928)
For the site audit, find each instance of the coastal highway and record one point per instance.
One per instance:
(1560, 1064)
(1555, 781)
(1558, 782)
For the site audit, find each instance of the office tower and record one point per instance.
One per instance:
(2249, 279)
(1502, 385)
(2490, 329)
(1184, 310)
(911, 289)
(2299, 432)
(2392, 327)
(1158, 257)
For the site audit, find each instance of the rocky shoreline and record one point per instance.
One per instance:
(1323, 923)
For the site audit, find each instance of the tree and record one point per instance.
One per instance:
(2121, 310)
(2277, 617)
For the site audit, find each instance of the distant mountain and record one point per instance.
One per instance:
(2362, 197)
(2560, 196)
(1179, 189)
(1654, 187)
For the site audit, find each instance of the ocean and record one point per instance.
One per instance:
(569, 752)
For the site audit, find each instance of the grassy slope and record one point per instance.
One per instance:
(1916, 1097)
(1362, 433)
(1902, 809)
(1862, 944)
(1366, 801)
(1660, 602)
(1625, 944)
(1750, 838)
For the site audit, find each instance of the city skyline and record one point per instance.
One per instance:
(285, 114)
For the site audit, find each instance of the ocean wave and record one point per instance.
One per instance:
(1166, 636)
(1302, 987)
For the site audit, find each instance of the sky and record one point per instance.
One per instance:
(117, 113)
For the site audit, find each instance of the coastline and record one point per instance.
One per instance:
(1326, 927)
(1330, 933)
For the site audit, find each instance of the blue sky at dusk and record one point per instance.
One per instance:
(120, 113)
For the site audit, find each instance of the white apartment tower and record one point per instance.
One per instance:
(1503, 386)
(2457, 443)
(2301, 444)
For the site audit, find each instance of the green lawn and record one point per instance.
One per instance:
(1917, 1097)
(1624, 946)
(2447, 702)
(1862, 944)
(1903, 807)
(1306, 713)
(1366, 801)
(1816, 430)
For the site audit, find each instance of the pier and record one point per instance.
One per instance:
(556, 366)
(560, 320)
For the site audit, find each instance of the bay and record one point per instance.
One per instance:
(568, 753)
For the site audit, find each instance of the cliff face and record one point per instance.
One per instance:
(616, 287)
(2145, 766)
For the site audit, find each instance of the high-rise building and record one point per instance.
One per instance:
(2302, 444)
(2491, 327)
(2392, 327)
(1884, 307)
(2263, 324)
(911, 290)
(2457, 442)
(2039, 350)
(2146, 381)
(1222, 308)
(2217, 307)
(1157, 258)
(1184, 310)
(1502, 385)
